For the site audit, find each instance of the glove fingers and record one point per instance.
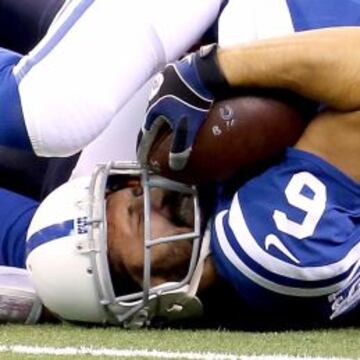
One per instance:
(181, 146)
(146, 139)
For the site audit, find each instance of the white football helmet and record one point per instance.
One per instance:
(68, 262)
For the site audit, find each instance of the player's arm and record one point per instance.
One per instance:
(323, 65)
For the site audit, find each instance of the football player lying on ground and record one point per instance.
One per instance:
(24, 22)
(65, 59)
(286, 240)
(297, 23)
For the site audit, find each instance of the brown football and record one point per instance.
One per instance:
(238, 133)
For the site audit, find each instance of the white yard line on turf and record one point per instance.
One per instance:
(133, 353)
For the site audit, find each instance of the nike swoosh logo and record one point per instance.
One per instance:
(273, 240)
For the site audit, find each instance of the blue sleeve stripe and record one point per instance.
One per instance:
(45, 48)
(250, 245)
(48, 234)
(283, 280)
(242, 269)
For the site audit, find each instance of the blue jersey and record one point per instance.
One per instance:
(315, 14)
(16, 212)
(292, 235)
(289, 237)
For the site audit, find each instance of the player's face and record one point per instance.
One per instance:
(171, 214)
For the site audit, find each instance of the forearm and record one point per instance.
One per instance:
(323, 65)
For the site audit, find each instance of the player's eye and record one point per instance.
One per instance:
(137, 191)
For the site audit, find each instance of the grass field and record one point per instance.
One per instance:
(72, 342)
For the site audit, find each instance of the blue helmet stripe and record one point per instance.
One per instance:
(48, 234)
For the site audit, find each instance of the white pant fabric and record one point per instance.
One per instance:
(118, 140)
(241, 21)
(95, 56)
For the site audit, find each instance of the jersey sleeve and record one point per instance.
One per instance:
(13, 131)
(16, 212)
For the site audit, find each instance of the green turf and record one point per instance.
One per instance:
(336, 342)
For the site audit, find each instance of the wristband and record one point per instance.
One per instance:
(210, 71)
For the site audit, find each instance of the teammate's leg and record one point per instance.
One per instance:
(92, 60)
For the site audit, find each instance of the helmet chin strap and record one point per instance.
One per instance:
(199, 269)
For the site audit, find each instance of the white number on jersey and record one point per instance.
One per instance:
(313, 207)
